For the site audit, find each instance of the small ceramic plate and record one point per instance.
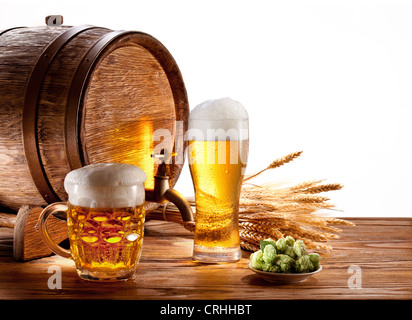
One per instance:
(284, 277)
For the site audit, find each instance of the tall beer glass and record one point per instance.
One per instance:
(217, 150)
(105, 218)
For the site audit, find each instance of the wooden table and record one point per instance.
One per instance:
(380, 247)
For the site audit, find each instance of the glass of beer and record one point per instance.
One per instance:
(217, 151)
(105, 218)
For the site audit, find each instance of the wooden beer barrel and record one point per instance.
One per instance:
(72, 96)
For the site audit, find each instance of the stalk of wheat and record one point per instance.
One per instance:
(273, 211)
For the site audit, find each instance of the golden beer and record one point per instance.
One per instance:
(217, 152)
(106, 241)
(105, 219)
(217, 188)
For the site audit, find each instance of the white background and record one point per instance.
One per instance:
(330, 78)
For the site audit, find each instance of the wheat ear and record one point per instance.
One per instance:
(277, 163)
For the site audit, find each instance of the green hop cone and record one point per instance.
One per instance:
(256, 260)
(274, 268)
(281, 245)
(285, 263)
(303, 264)
(269, 254)
(268, 267)
(289, 241)
(290, 252)
(315, 259)
(264, 243)
(299, 248)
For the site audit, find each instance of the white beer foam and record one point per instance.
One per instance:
(106, 185)
(219, 109)
(220, 119)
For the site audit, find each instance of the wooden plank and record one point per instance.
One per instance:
(166, 270)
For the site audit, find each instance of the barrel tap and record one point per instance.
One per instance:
(162, 190)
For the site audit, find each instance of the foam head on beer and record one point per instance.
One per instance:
(219, 109)
(219, 119)
(106, 185)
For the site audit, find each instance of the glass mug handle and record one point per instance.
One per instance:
(51, 209)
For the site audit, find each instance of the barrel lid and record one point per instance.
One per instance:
(133, 103)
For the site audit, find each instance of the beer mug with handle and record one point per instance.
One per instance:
(217, 150)
(105, 219)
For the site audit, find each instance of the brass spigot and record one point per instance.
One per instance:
(163, 192)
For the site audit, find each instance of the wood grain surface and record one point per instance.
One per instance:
(381, 247)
